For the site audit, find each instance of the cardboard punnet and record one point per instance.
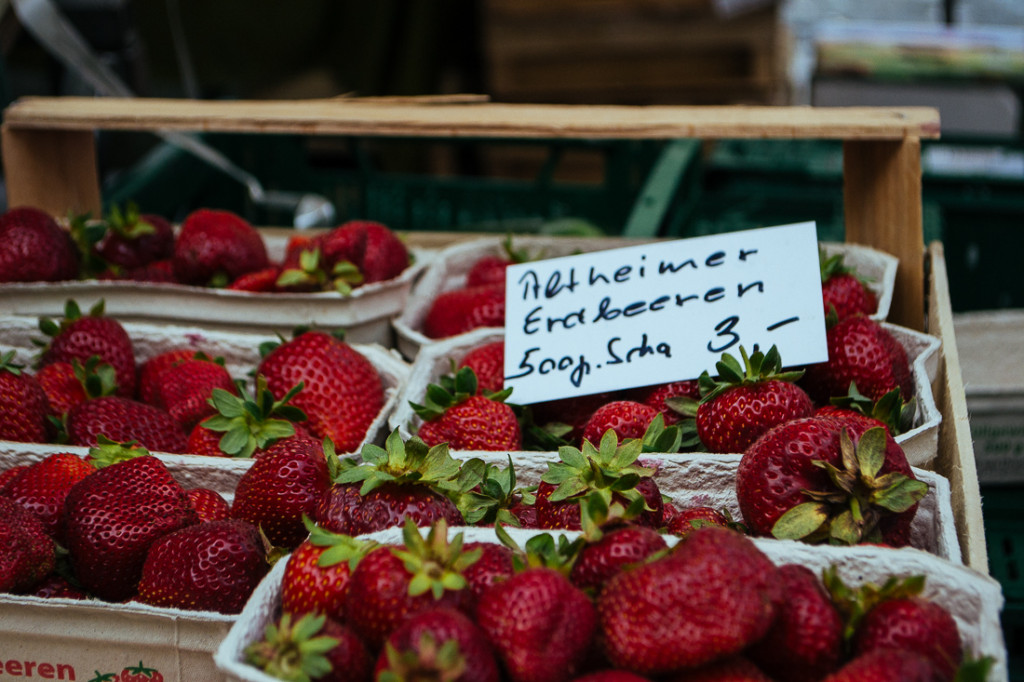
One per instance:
(240, 351)
(449, 267)
(972, 598)
(920, 442)
(365, 314)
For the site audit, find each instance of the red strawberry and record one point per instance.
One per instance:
(316, 577)
(843, 291)
(626, 418)
(9, 476)
(461, 310)
(150, 371)
(385, 256)
(682, 522)
(391, 583)
(122, 420)
(313, 647)
(263, 280)
(610, 471)
(211, 566)
(140, 673)
(114, 515)
(342, 391)
(280, 487)
(23, 404)
(133, 240)
(442, 644)
(610, 676)
(217, 247)
(247, 426)
(804, 479)
(29, 554)
(488, 364)
(494, 565)
(209, 504)
(487, 270)
(55, 586)
(43, 485)
(863, 353)
(615, 550)
(398, 482)
(656, 395)
(453, 413)
(568, 415)
(747, 400)
(159, 272)
(186, 388)
(79, 337)
(886, 665)
(34, 248)
(713, 596)
(806, 641)
(889, 411)
(69, 383)
(540, 625)
(903, 619)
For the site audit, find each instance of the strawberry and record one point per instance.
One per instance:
(491, 269)
(889, 411)
(133, 240)
(79, 337)
(453, 413)
(318, 571)
(55, 586)
(140, 673)
(403, 480)
(9, 476)
(263, 280)
(625, 418)
(896, 615)
(862, 353)
(682, 522)
(45, 484)
(157, 272)
(215, 247)
(611, 471)
(312, 647)
(540, 625)
(611, 551)
(488, 364)
(843, 291)
(186, 388)
(656, 395)
(391, 583)
(385, 256)
(34, 248)
(280, 487)
(211, 566)
(747, 400)
(247, 426)
(610, 676)
(342, 391)
(806, 641)
(123, 420)
(114, 515)
(29, 554)
(885, 665)
(209, 504)
(68, 383)
(713, 596)
(494, 565)
(818, 480)
(441, 644)
(23, 404)
(461, 310)
(148, 387)
(568, 416)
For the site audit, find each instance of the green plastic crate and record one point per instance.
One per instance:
(1003, 510)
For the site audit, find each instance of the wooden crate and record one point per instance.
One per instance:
(630, 52)
(49, 160)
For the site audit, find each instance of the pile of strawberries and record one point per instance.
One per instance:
(212, 248)
(617, 605)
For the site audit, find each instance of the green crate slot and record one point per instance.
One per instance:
(1002, 508)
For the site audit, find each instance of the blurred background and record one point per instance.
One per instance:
(965, 57)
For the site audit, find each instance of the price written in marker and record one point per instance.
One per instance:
(659, 312)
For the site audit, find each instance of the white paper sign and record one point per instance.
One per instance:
(661, 312)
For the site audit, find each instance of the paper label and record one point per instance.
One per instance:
(660, 312)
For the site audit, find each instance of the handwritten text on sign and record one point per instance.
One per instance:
(661, 312)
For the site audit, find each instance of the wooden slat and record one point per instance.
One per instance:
(882, 208)
(346, 116)
(955, 458)
(54, 170)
